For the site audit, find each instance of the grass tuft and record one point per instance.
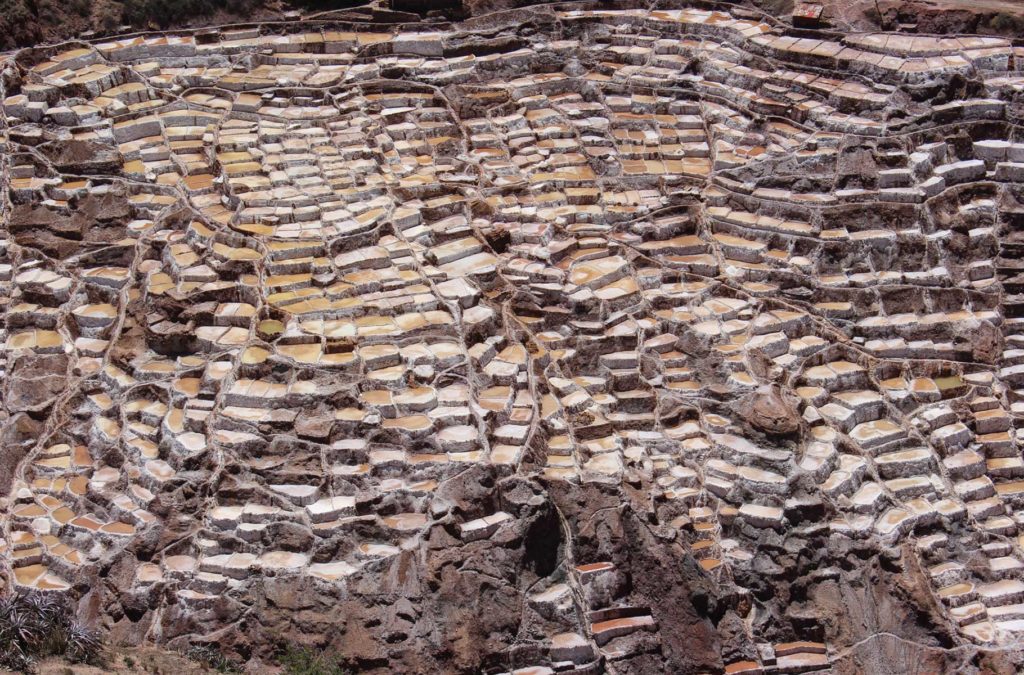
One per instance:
(210, 657)
(36, 625)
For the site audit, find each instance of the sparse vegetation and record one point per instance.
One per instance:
(164, 13)
(213, 659)
(1005, 23)
(306, 661)
(28, 22)
(36, 625)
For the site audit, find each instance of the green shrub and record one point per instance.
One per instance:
(1007, 24)
(305, 661)
(37, 625)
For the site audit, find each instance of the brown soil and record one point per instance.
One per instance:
(129, 661)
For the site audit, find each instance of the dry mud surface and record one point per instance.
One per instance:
(576, 339)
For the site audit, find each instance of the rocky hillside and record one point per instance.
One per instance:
(25, 23)
(578, 339)
(29, 22)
